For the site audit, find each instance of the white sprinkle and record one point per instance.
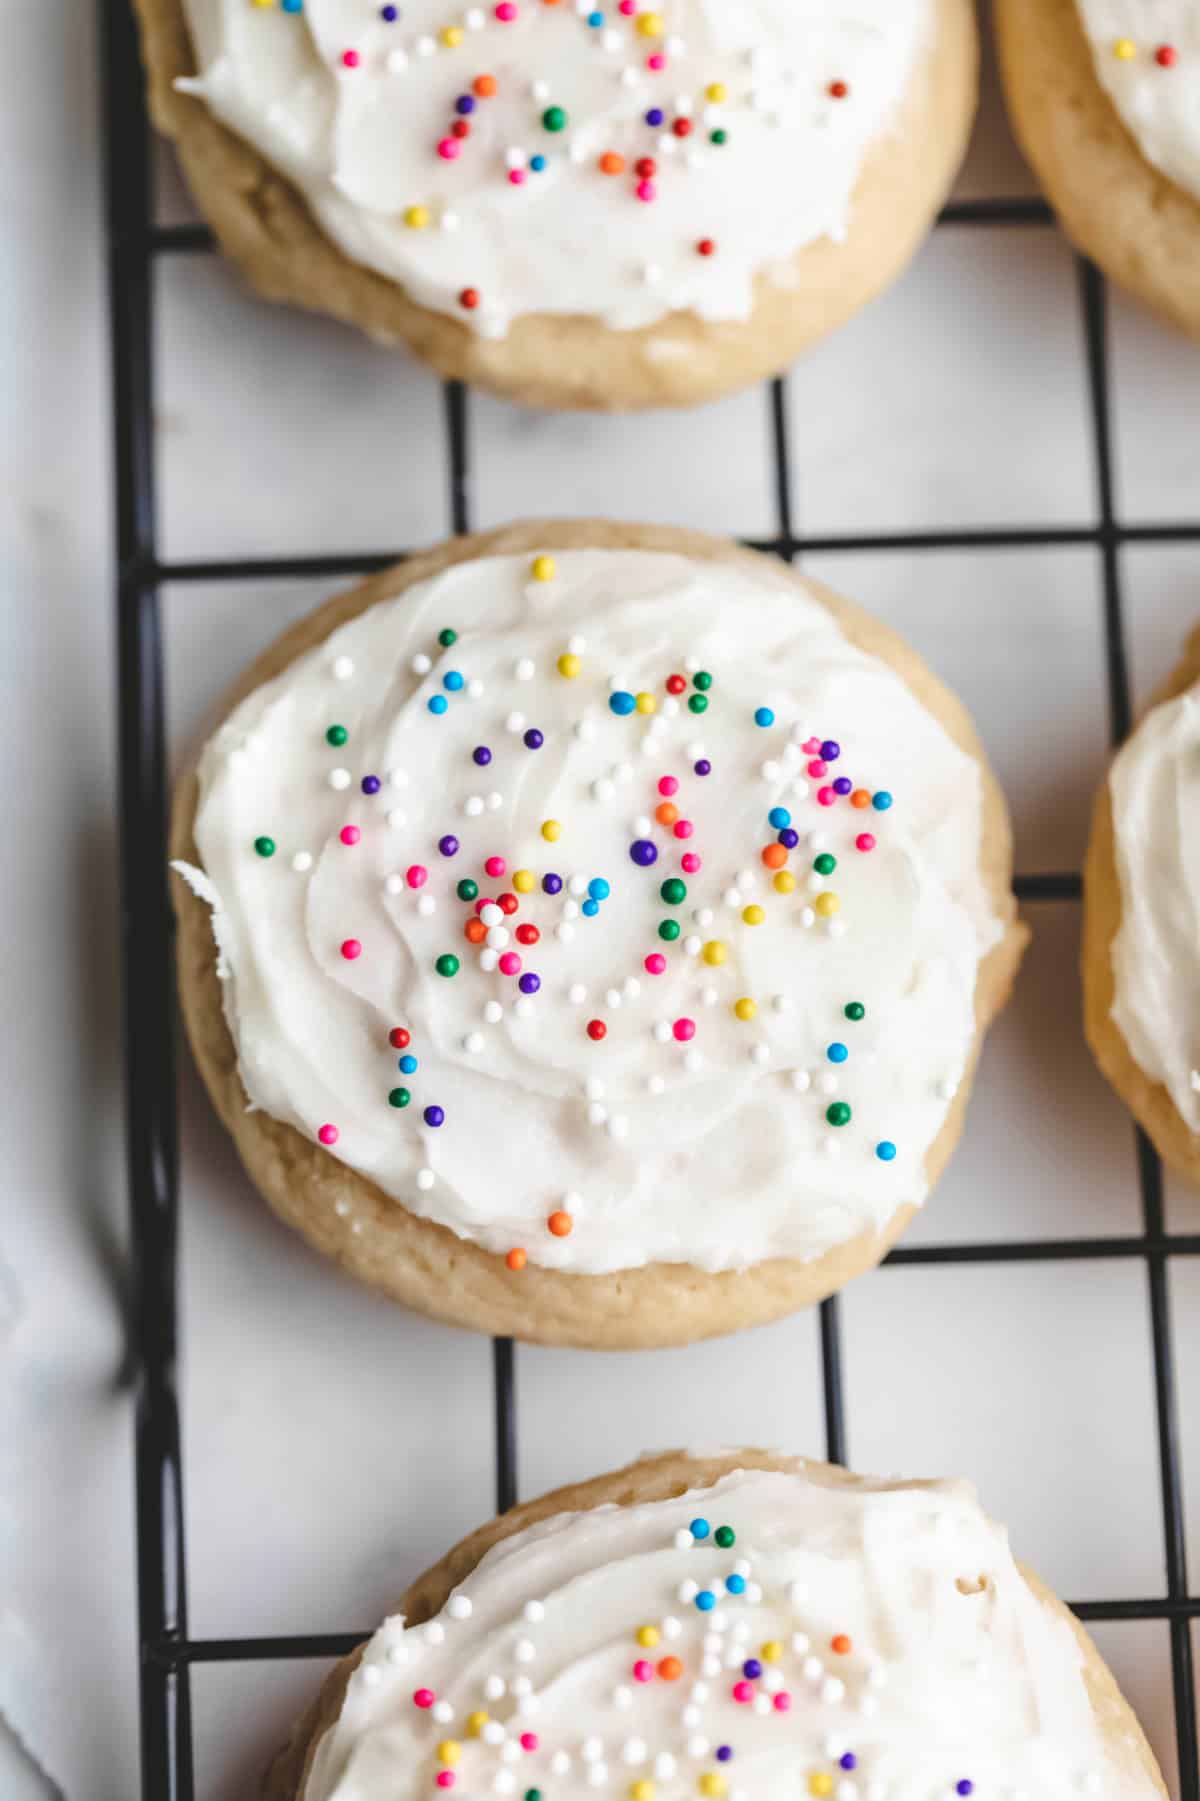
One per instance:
(618, 1126)
(846, 1791)
(664, 1766)
(691, 1716)
(801, 1081)
(524, 669)
(704, 916)
(709, 996)
(812, 1668)
(570, 909)
(710, 1665)
(947, 1089)
(671, 1627)
(564, 932)
(827, 1082)
(597, 1113)
(473, 1044)
(397, 817)
(835, 928)
(523, 1006)
(492, 915)
(692, 946)
(697, 1746)
(421, 664)
(655, 1084)
(442, 1712)
(503, 1782)
(585, 730)
(459, 1607)
(494, 1689)
(641, 826)
(732, 897)
(687, 1590)
(771, 771)
(534, 1611)
(594, 1088)
(341, 1208)
(807, 916)
(800, 790)
(371, 1675)
(683, 1539)
(578, 885)
(602, 788)
(833, 1690)
(693, 1061)
(425, 46)
(631, 988)
(515, 722)
(576, 993)
(449, 221)
(426, 906)
(493, 1012)
(510, 1751)
(868, 1705)
(524, 1650)
(475, 688)
(540, 90)
(302, 861)
(498, 938)
(488, 960)
(473, 806)
(475, 18)
(339, 779)
(425, 1178)
(634, 1749)
(343, 668)
(515, 157)
(754, 1593)
(598, 1775)
(763, 1704)
(662, 1031)
(612, 998)
(591, 1750)
(560, 1763)
(494, 802)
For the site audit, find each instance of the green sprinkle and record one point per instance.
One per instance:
(467, 889)
(724, 1536)
(673, 891)
(825, 864)
(399, 1097)
(337, 736)
(669, 929)
(447, 636)
(533, 1794)
(698, 703)
(838, 1114)
(702, 680)
(447, 964)
(855, 1010)
(554, 118)
(265, 847)
(718, 137)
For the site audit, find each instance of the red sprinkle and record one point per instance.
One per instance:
(399, 1038)
(527, 934)
(508, 903)
(706, 247)
(838, 90)
(1166, 56)
(469, 298)
(646, 167)
(676, 684)
(596, 1030)
(682, 128)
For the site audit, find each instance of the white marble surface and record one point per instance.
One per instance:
(333, 1444)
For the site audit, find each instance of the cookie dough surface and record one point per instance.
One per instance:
(850, 1623)
(1117, 196)
(1139, 936)
(579, 292)
(659, 1086)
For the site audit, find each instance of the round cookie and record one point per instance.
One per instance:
(683, 1106)
(1139, 954)
(1103, 97)
(564, 285)
(867, 1606)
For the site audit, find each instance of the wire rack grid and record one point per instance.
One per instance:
(167, 1650)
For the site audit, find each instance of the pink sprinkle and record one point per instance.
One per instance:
(684, 1029)
(350, 59)
(351, 949)
(510, 964)
(655, 963)
(350, 834)
(817, 769)
(506, 12)
(667, 784)
(643, 1670)
(811, 745)
(627, 8)
(329, 1135)
(783, 1701)
(826, 796)
(424, 1697)
(656, 62)
(689, 862)
(495, 866)
(684, 828)
(416, 875)
(646, 190)
(529, 1741)
(743, 1691)
(517, 177)
(445, 1779)
(864, 841)
(449, 149)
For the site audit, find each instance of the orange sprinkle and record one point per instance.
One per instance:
(474, 931)
(861, 798)
(839, 1643)
(560, 1223)
(612, 163)
(670, 1669)
(484, 86)
(516, 1258)
(774, 855)
(666, 812)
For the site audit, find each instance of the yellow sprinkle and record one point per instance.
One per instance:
(711, 1783)
(650, 25)
(551, 830)
(524, 881)
(641, 1791)
(647, 1635)
(745, 1008)
(264, 4)
(784, 882)
(569, 665)
(449, 1751)
(753, 916)
(827, 904)
(714, 953)
(542, 569)
(1124, 49)
(820, 1783)
(476, 1723)
(716, 92)
(452, 36)
(417, 217)
(646, 703)
(772, 1651)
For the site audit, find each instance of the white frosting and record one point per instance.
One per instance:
(362, 143)
(1155, 790)
(954, 1672)
(1158, 100)
(715, 1149)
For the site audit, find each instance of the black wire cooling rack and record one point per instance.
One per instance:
(167, 1651)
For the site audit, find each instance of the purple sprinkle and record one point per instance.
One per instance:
(752, 1669)
(789, 838)
(655, 116)
(552, 884)
(831, 750)
(843, 785)
(434, 1116)
(389, 14)
(703, 767)
(529, 983)
(643, 852)
(848, 1761)
(965, 1787)
(724, 1753)
(448, 845)
(534, 739)
(370, 784)
(482, 755)
(464, 104)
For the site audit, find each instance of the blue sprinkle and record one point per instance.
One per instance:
(622, 702)
(779, 817)
(764, 716)
(537, 163)
(434, 1116)
(407, 1065)
(837, 1053)
(655, 116)
(293, 6)
(464, 104)
(736, 1584)
(438, 703)
(885, 1150)
(590, 908)
(881, 801)
(706, 1600)
(453, 681)
(595, 20)
(598, 888)
(700, 1528)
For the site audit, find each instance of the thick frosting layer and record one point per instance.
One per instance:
(1147, 55)
(770, 1636)
(722, 993)
(755, 117)
(1155, 790)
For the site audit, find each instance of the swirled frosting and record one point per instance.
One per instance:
(755, 114)
(1155, 792)
(772, 1635)
(667, 895)
(1147, 59)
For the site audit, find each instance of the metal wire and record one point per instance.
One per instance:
(166, 1651)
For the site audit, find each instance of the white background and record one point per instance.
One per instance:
(334, 1445)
